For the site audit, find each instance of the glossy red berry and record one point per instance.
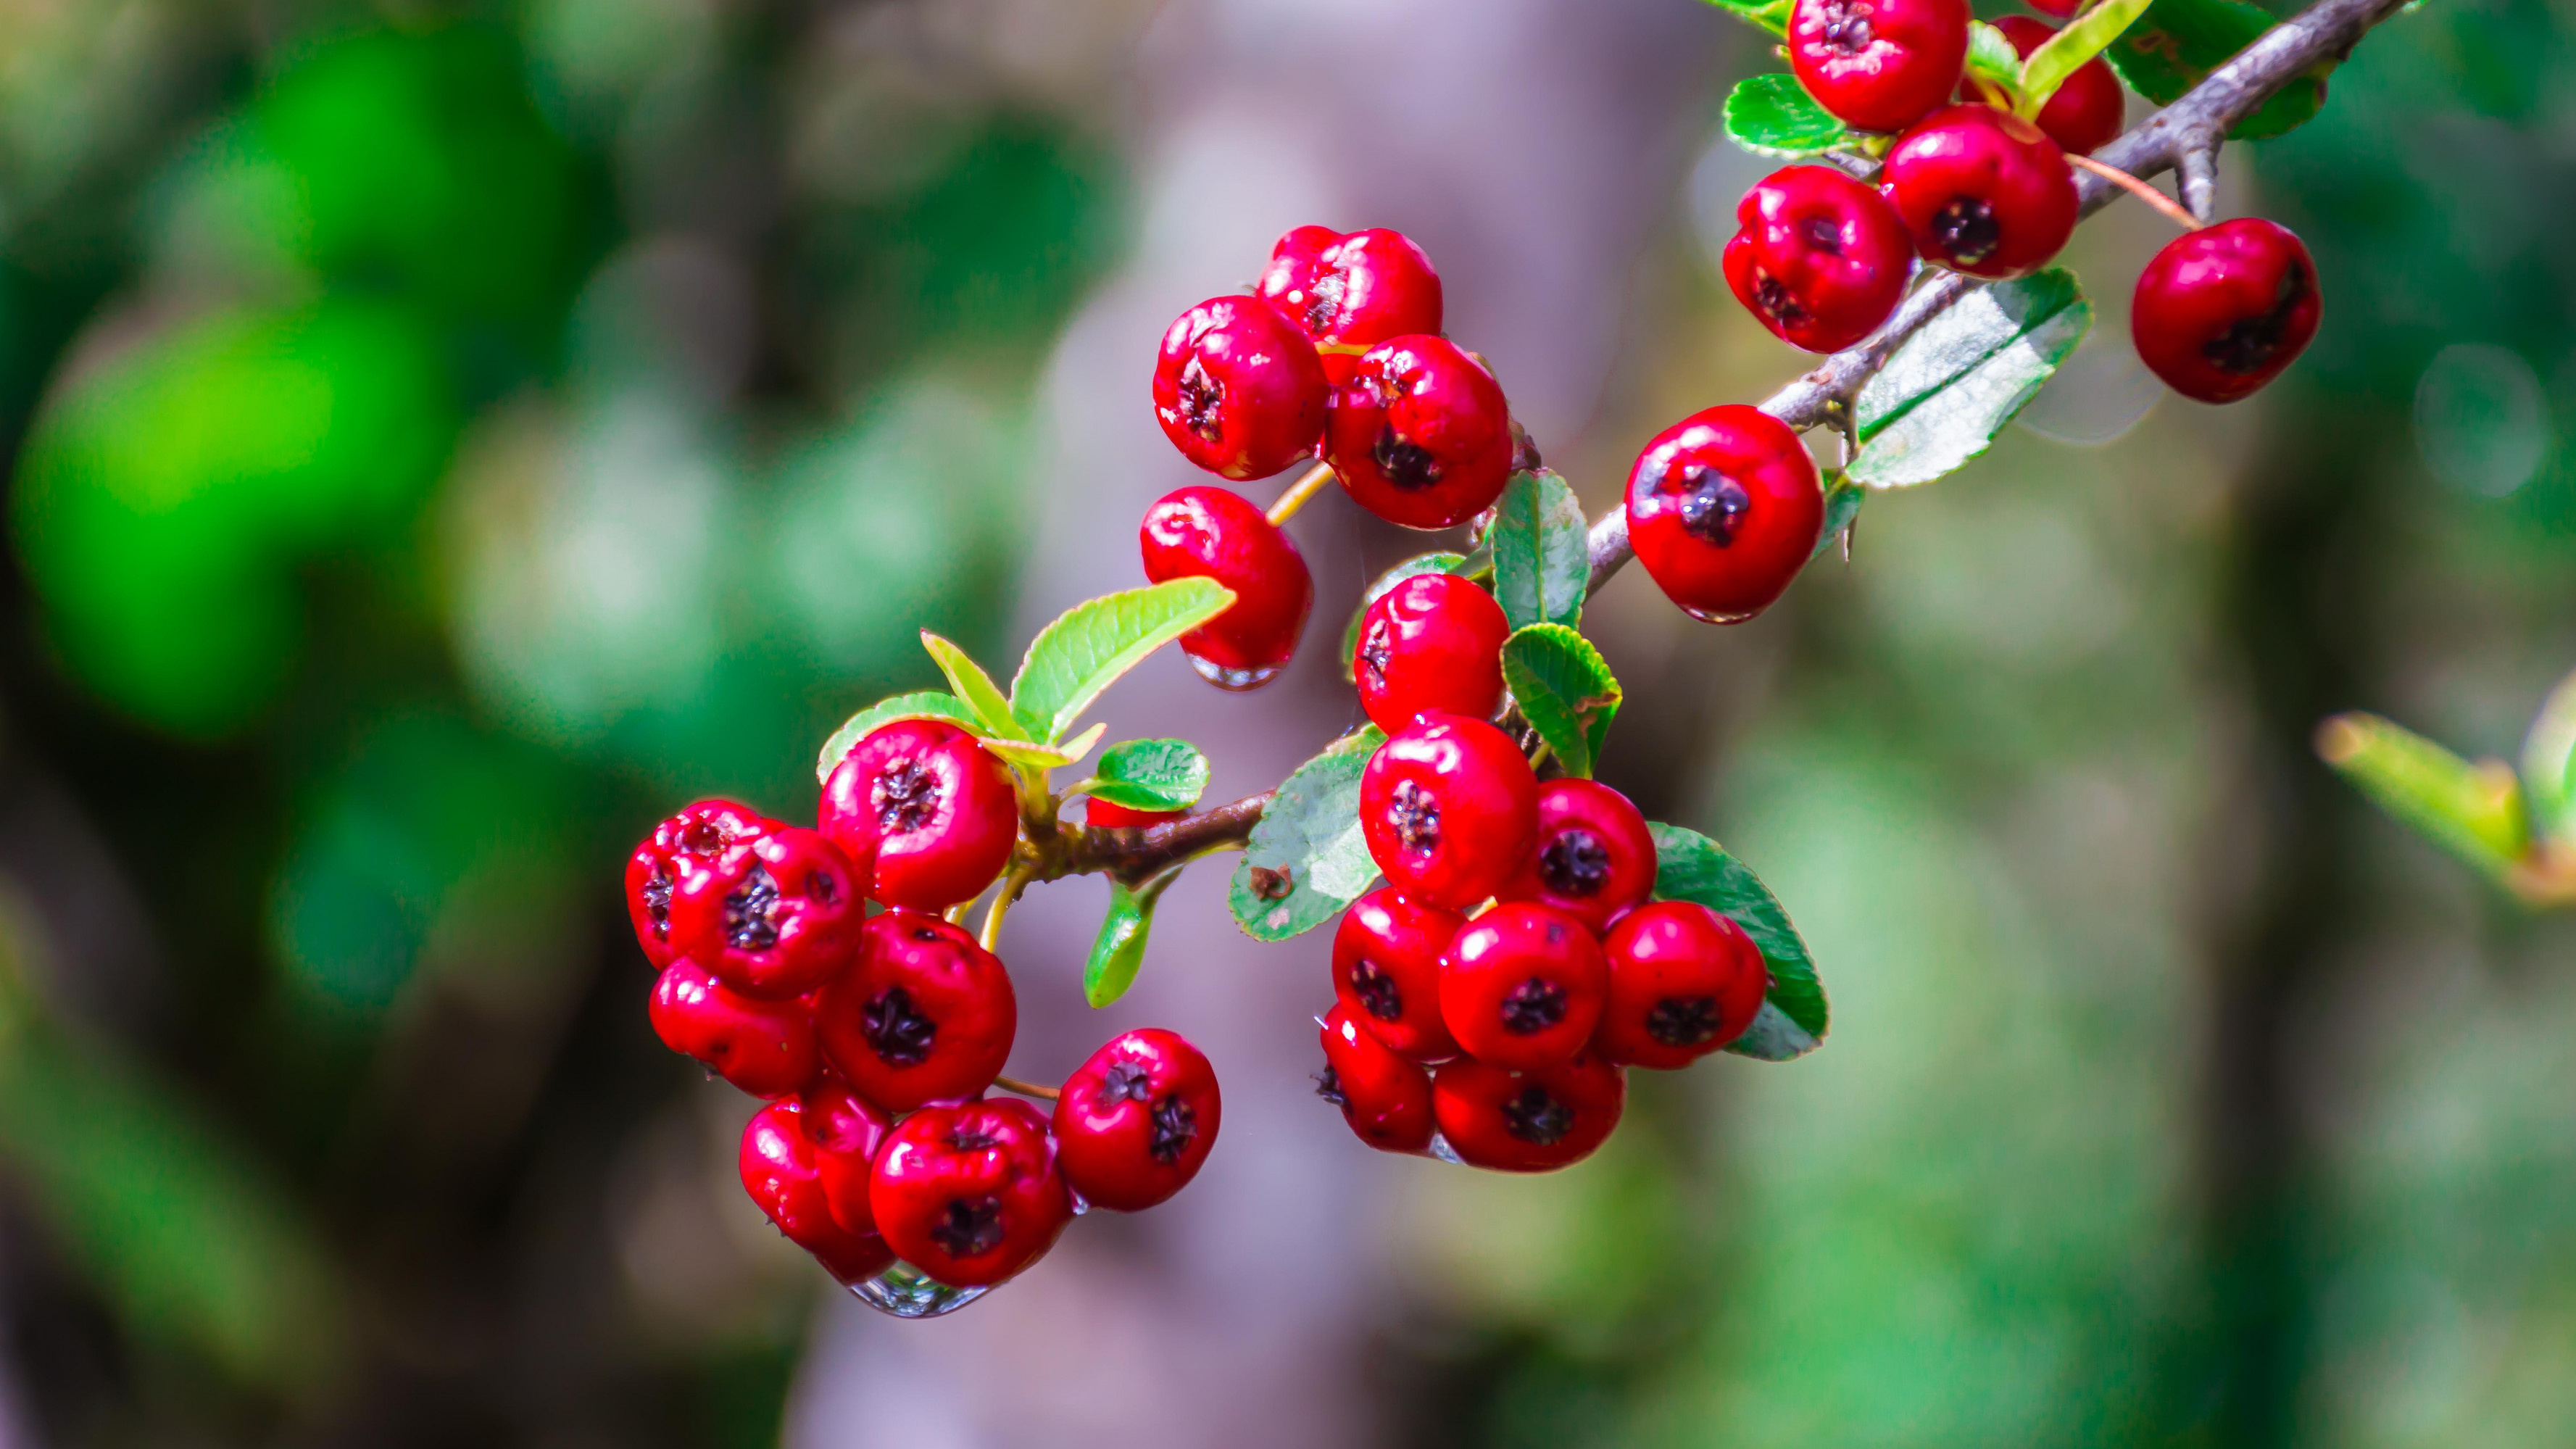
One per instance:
(1206, 532)
(1238, 389)
(2222, 310)
(1430, 645)
(1107, 816)
(2062, 9)
(1724, 508)
(774, 916)
(847, 1131)
(1448, 807)
(1352, 289)
(970, 1195)
(1534, 1121)
(1595, 857)
(1879, 65)
(691, 839)
(778, 1166)
(1134, 1123)
(1386, 971)
(1386, 1099)
(765, 1048)
(1521, 986)
(923, 1015)
(1684, 981)
(2085, 112)
(1817, 257)
(935, 809)
(1981, 191)
(1420, 435)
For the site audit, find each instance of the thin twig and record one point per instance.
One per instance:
(1028, 1089)
(1298, 492)
(2171, 208)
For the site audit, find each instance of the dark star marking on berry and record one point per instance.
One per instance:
(1376, 990)
(657, 901)
(1376, 649)
(2249, 343)
(972, 1226)
(1776, 303)
(906, 796)
(704, 837)
(967, 1139)
(1537, 1118)
(1124, 1082)
(897, 1033)
(1533, 1006)
(1847, 27)
(1202, 401)
(1407, 464)
(1575, 864)
(819, 886)
(1966, 230)
(1416, 817)
(1713, 505)
(1328, 1085)
(1174, 1127)
(1682, 1021)
(749, 913)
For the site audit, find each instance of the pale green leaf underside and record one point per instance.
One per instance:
(1047, 757)
(1119, 950)
(1091, 644)
(1955, 384)
(1768, 15)
(1308, 845)
(927, 704)
(1542, 563)
(1691, 867)
(1842, 505)
(1991, 57)
(1772, 115)
(1565, 690)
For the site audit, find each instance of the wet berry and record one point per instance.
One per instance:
(1533, 1121)
(1352, 289)
(1135, 1121)
(1817, 257)
(779, 1171)
(1595, 857)
(1981, 191)
(765, 1048)
(1211, 533)
(689, 840)
(1386, 1099)
(1386, 971)
(923, 1015)
(1521, 986)
(1684, 981)
(847, 1130)
(1238, 389)
(934, 808)
(2222, 310)
(1448, 807)
(1420, 434)
(774, 916)
(1430, 645)
(1724, 508)
(970, 1195)
(2085, 112)
(1879, 65)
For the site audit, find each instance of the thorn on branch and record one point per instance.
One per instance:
(2196, 162)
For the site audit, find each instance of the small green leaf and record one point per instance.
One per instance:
(1769, 15)
(1772, 115)
(1149, 775)
(2179, 42)
(2063, 54)
(2549, 763)
(1842, 505)
(1691, 867)
(1047, 757)
(1542, 562)
(2475, 811)
(928, 704)
(1119, 949)
(1992, 59)
(976, 688)
(1415, 567)
(1477, 565)
(1565, 691)
(1091, 644)
(1307, 861)
(1955, 384)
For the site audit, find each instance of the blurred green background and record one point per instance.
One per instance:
(446, 438)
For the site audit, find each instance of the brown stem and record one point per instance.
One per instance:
(1028, 1089)
(2172, 209)
(1315, 481)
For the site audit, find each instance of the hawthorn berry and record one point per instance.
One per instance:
(1386, 1099)
(1817, 257)
(1134, 1123)
(1448, 806)
(1430, 645)
(1684, 981)
(2222, 310)
(779, 1171)
(1238, 389)
(1724, 508)
(1386, 971)
(1521, 986)
(1532, 1121)
(1107, 816)
(1879, 65)
(923, 1015)
(1595, 857)
(1420, 434)
(930, 805)
(693, 838)
(2085, 112)
(1352, 289)
(2062, 9)
(970, 1194)
(846, 1130)
(773, 916)
(1982, 191)
(1206, 532)
(765, 1048)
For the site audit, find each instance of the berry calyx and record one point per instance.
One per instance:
(689, 840)
(1817, 257)
(1385, 1099)
(847, 1131)
(1420, 434)
(1238, 388)
(970, 1195)
(779, 1172)
(1724, 508)
(1684, 981)
(1521, 986)
(1386, 971)
(1595, 857)
(1353, 289)
(2222, 310)
(1532, 1121)
(1099, 812)
(773, 916)
(1448, 807)
(1879, 65)
(1430, 645)
(933, 808)
(2084, 113)
(765, 1048)
(1212, 533)
(1981, 191)
(1134, 1123)
(923, 1015)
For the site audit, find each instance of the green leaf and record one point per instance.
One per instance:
(1955, 384)
(1842, 505)
(1542, 560)
(1091, 644)
(2475, 811)
(1769, 15)
(1691, 867)
(1565, 691)
(1119, 949)
(1991, 58)
(975, 688)
(2179, 42)
(1772, 115)
(1149, 775)
(1047, 757)
(1307, 861)
(1415, 567)
(2065, 53)
(929, 704)
(2549, 763)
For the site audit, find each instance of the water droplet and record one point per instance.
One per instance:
(1441, 1149)
(2481, 419)
(904, 1291)
(1224, 678)
(1081, 1204)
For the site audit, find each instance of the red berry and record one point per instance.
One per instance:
(934, 808)
(924, 1014)
(1595, 857)
(1238, 389)
(2220, 311)
(1106, 816)
(1386, 1099)
(692, 838)
(1205, 532)
(846, 1130)
(1534, 1121)
(1819, 258)
(1386, 971)
(779, 1171)
(1354, 289)
(1420, 435)
(970, 1195)
(2085, 112)
(1430, 645)
(1521, 986)
(1879, 65)
(765, 1048)
(2062, 9)
(1134, 1123)
(1448, 806)
(1684, 981)
(1724, 508)
(1982, 191)
(774, 916)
